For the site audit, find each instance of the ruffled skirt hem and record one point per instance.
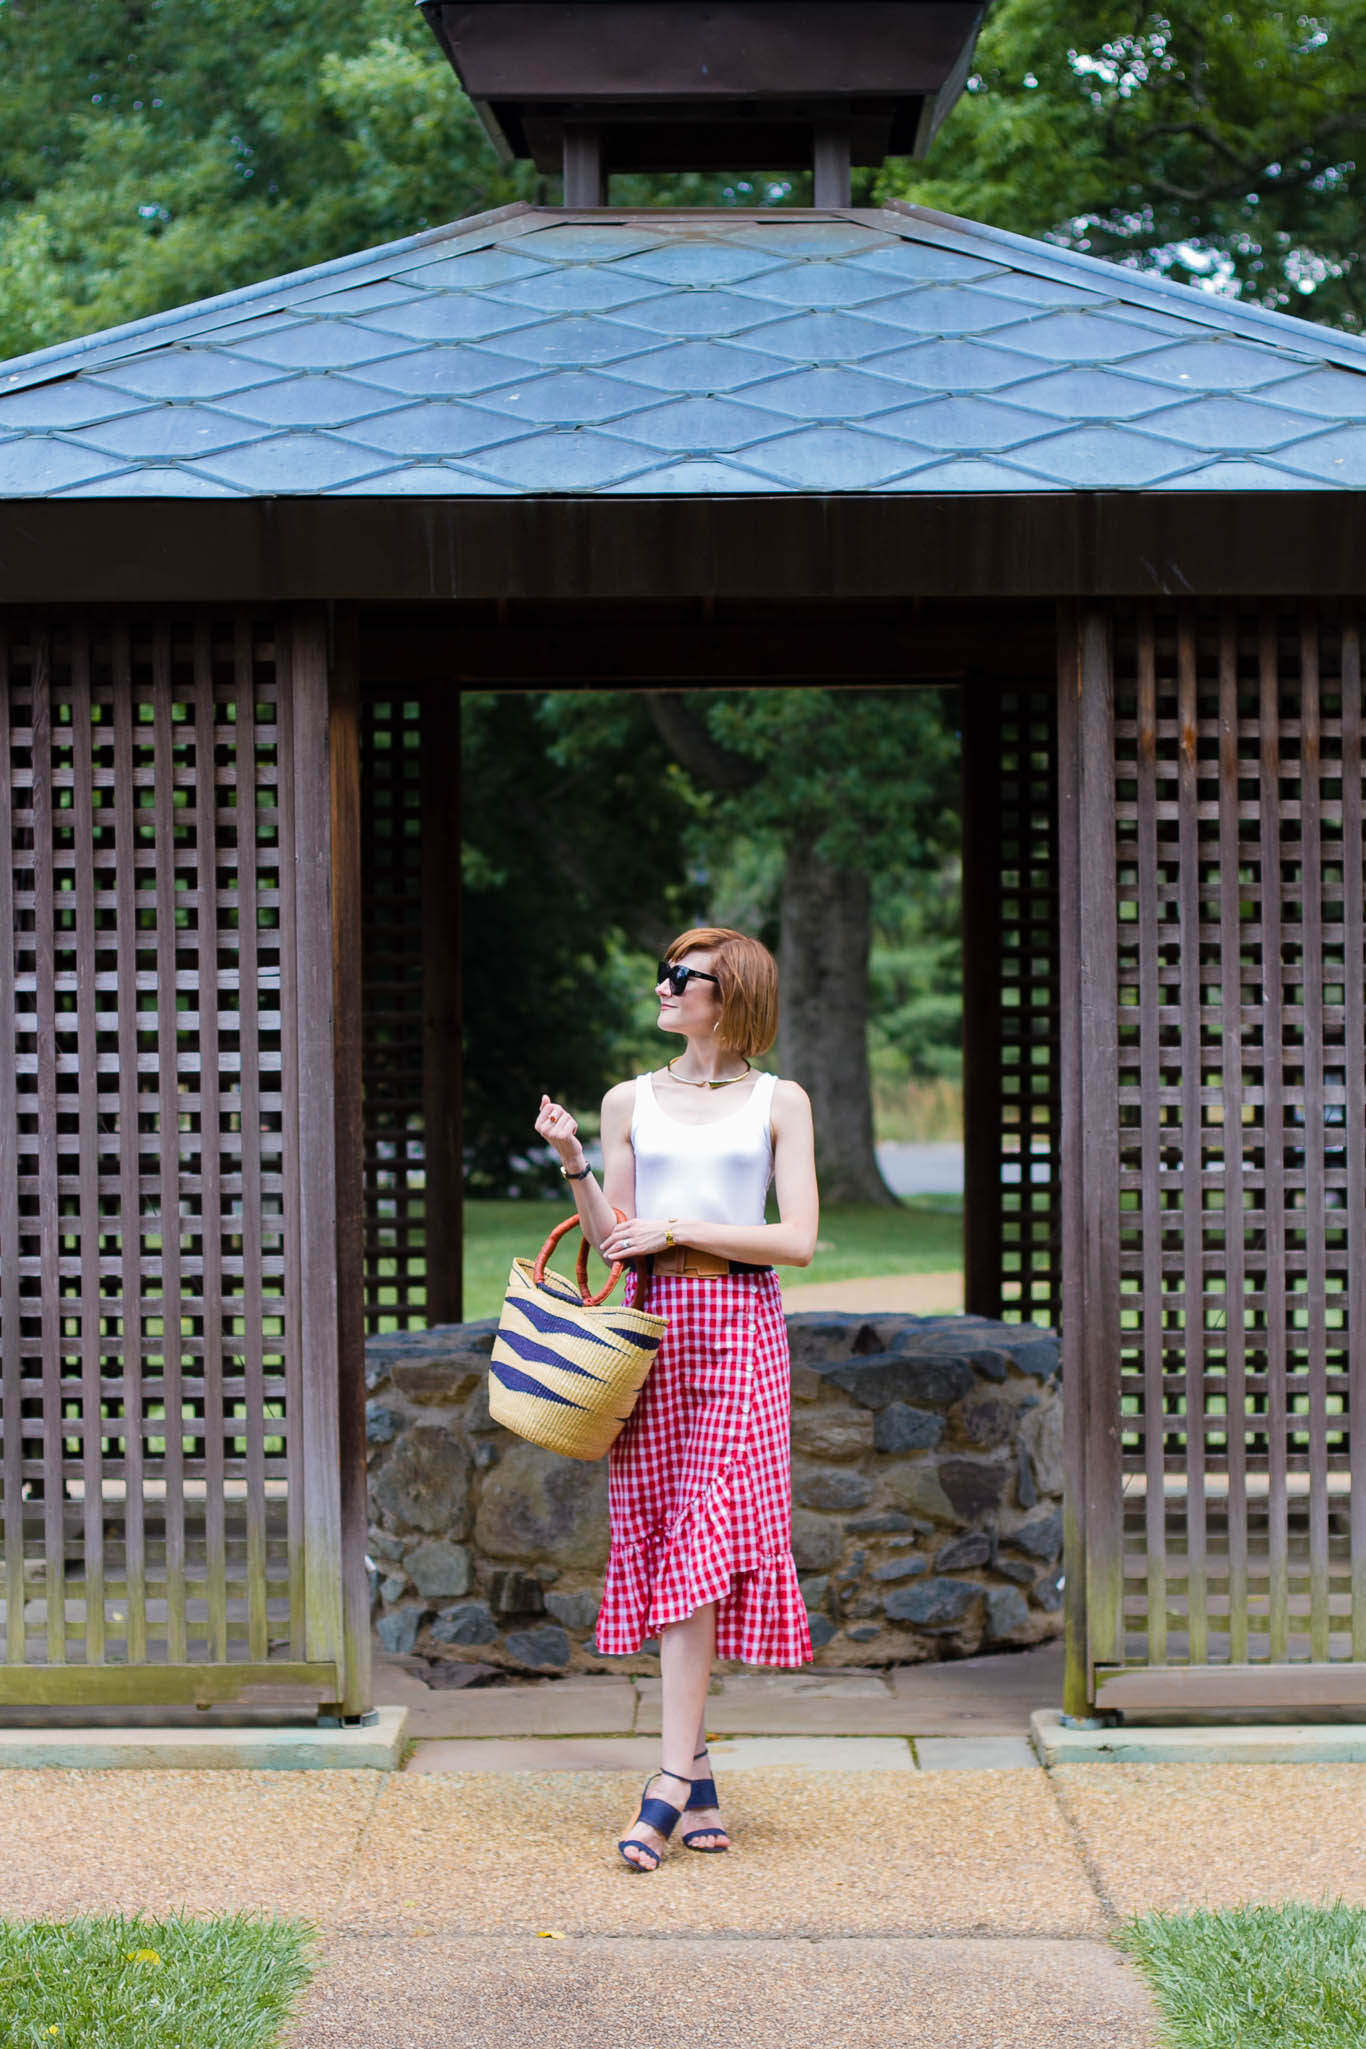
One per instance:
(760, 1613)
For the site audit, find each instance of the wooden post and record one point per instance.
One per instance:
(585, 165)
(443, 1171)
(830, 165)
(344, 750)
(307, 780)
(1092, 1559)
(982, 1093)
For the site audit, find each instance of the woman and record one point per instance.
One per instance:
(699, 1481)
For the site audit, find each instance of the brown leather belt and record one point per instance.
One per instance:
(691, 1265)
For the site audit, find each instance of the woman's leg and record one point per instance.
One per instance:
(686, 1650)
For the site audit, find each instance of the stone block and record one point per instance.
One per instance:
(1037, 1353)
(574, 1611)
(899, 1427)
(827, 1487)
(973, 1548)
(915, 1488)
(987, 1421)
(425, 1481)
(926, 1383)
(1041, 1538)
(822, 1631)
(814, 1339)
(1007, 1614)
(1026, 1493)
(909, 1567)
(1041, 1436)
(468, 1622)
(805, 1384)
(878, 1525)
(832, 1433)
(435, 1380)
(399, 1630)
(932, 1604)
(815, 1591)
(382, 1422)
(1046, 1593)
(546, 1648)
(393, 1588)
(815, 1542)
(537, 1505)
(515, 1593)
(384, 1544)
(438, 1569)
(975, 1486)
(478, 1421)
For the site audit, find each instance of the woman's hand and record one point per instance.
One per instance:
(634, 1238)
(559, 1130)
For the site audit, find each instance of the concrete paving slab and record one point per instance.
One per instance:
(635, 1754)
(989, 1696)
(812, 1754)
(586, 1706)
(808, 1703)
(640, 1754)
(1282, 1743)
(1181, 1835)
(974, 1753)
(198, 1841)
(375, 1993)
(899, 1852)
(303, 1748)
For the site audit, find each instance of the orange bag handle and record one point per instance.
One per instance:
(581, 1270)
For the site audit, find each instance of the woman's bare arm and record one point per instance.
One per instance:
(596, 1206)
(789, 1243)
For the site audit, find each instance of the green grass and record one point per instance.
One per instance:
(1291, 1977)
(855, 1244)
(119, 1982)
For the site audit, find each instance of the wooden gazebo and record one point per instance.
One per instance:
(252, 550)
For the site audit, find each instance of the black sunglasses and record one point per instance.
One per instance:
(678, 978)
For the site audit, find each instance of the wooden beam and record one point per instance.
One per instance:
(289, 1683)
(1176, 1688)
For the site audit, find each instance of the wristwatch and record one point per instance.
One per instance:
(576, 1177)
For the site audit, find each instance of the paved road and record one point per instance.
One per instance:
(922, 1169)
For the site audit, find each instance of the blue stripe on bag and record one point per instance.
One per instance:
(541, 1355)
(641, 1342)
(545, 1321)
(522, 1383)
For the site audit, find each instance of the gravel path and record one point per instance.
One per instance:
(967, 1909)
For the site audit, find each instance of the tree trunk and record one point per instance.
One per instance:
(823, 1038)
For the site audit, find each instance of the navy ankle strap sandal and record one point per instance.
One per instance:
(656, 1814)
(704, 1795)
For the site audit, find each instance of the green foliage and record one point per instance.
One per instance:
(1212, 142)
(115, 1981)
(916, 979)
(155, 154)
(549, 993)
(869, 776)
(1286, 1977)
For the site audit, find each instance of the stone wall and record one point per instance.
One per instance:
(926, 1483)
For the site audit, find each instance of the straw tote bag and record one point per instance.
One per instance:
(565, 1371)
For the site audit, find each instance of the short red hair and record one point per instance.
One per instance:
(748, 977)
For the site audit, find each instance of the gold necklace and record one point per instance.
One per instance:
(729, 1081)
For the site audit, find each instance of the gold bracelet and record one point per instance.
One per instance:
(669, 1231)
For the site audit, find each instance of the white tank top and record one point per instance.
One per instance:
(715, 1173)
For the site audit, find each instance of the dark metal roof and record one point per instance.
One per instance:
(538, 351)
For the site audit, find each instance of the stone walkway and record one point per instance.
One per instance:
(903, 1874)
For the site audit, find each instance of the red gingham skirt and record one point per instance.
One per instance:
(699, 1481)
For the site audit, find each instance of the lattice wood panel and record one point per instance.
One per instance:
(149, 1175)
(392, 955)
(1010, 972)
(1242, 1170)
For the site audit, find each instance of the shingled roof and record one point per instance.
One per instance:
(540, 351)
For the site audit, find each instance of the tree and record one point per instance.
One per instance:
(1218, 144)
(849, 784)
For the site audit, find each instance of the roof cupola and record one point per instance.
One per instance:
(589, 87)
